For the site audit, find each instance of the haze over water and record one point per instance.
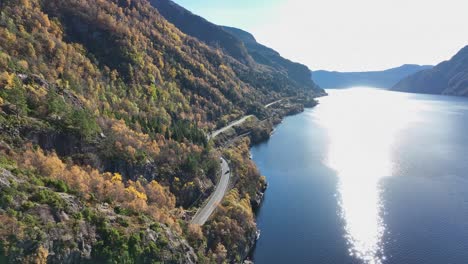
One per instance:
(368, 176)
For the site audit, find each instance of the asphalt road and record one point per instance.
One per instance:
(205, 212)
(235, 123)
(275, 102)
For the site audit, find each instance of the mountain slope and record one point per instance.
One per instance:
(242, 47)
(104, 107)
(382, 79)
(299, 73)
(202, 29)
(449, 77)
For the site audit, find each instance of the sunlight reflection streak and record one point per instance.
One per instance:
(361, 134)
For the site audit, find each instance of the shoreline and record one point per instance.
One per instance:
(246, 132)
(248, 258)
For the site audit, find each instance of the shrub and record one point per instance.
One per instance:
(122, 211)
(6, 200)
(6, 162)
(123, 222)
(46, 196)
(58, 185)
(27, 205)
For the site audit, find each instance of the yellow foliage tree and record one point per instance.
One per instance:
(159, 195)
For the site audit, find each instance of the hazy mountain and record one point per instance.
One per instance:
(449, 77)
(381, 79)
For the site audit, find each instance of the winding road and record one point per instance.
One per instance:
(216, 197)
(204, 213)
(275, 102)
(221, 130)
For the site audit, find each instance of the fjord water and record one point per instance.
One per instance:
(368, 176)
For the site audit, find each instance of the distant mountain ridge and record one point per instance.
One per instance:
(202, 29)
(239, 44)
(382, 79)
(269, 57)
(449, 77)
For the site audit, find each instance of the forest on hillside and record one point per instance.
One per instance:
(104, 108)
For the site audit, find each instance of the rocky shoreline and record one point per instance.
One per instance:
(259, 131)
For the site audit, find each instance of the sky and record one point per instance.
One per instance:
(347, 35)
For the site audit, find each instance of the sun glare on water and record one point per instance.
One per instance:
(362, 126)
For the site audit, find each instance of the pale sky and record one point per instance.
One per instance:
(347, 35)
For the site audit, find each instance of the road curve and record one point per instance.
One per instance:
(235, 123)
(217, 196)
(204, 213)
(275, 102)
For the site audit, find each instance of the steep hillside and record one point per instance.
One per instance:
(263, 55)
(381, 79)
(449, 77)
(202, 29)
(242, 46)
(104, 108)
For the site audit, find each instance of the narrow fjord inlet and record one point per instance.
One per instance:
(367, 181)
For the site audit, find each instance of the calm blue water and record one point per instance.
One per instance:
(368, 176)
